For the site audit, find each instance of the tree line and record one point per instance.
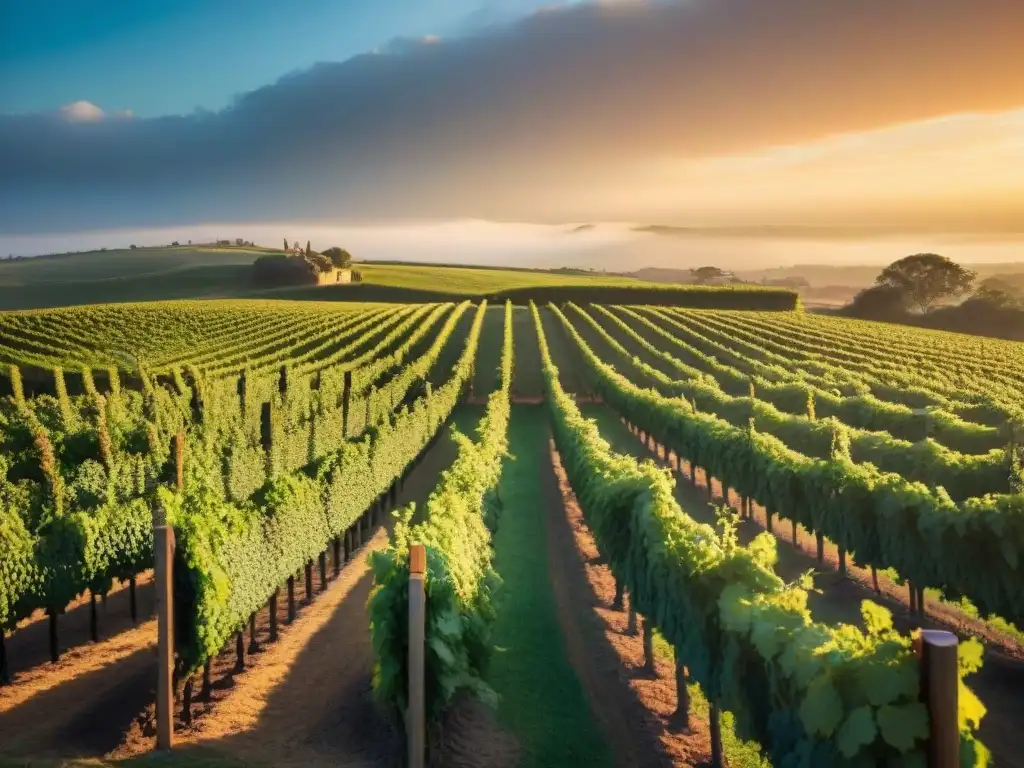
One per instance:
(934, 291)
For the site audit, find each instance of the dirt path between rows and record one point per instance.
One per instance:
(631, 706)
(28, 648)
(308, 701)
(84, 703)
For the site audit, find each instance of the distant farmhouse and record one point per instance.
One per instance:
(303, 266)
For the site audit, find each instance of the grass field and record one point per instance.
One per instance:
(152, 274)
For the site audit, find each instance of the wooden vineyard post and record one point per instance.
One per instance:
(416, 716)
(206, 692)
(337, 555)
(272, 609)
(240, 651)
(164, 582)
(309, 582)
(323, 570)
(5, 672)
(179, 460)
(937, 651)
(254, 647)
(717, 752)
(681, 717)
(132, 601)
(51, 614)
(617, 603)
(291, 599)
(345, 401)
(94, 629)
(649, 665)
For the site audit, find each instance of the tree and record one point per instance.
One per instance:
(880, 302)
(339, 257)
(926, 278)
(996, 293)
(707, 274)
(132, 246)
(309, 248)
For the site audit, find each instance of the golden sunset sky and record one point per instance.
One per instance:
(874, 113)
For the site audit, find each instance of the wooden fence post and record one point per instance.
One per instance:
(164, 583)
(416, 716)
(937, 650)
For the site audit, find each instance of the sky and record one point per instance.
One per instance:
(710, 113)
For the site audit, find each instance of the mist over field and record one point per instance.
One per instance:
(614, 247)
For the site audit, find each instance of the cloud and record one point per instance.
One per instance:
(512, 122)
(81, 112)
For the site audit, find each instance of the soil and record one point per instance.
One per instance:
(84, 703)
(632, 706)
(28, 647)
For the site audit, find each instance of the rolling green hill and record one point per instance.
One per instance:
(152, 274)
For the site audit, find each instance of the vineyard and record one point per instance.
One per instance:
(653, 534)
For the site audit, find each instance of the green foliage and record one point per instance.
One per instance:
(809, 694)
(788, 464)
(926, 278)
(233, 554)
(459, 580)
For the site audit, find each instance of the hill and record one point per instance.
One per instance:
(151, 274)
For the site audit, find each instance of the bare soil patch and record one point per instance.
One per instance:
(632, 706)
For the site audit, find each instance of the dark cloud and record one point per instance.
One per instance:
(475, 126)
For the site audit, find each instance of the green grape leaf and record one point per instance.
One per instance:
(971, 710)
(969, 655)
(876, 618)
(822, 709)
(902, 725)
(858, 730)
(886, 683)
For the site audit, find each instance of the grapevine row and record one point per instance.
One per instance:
(962, 475)
(237, 554)
(886, 520)
(838, 696)
(460, 515)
